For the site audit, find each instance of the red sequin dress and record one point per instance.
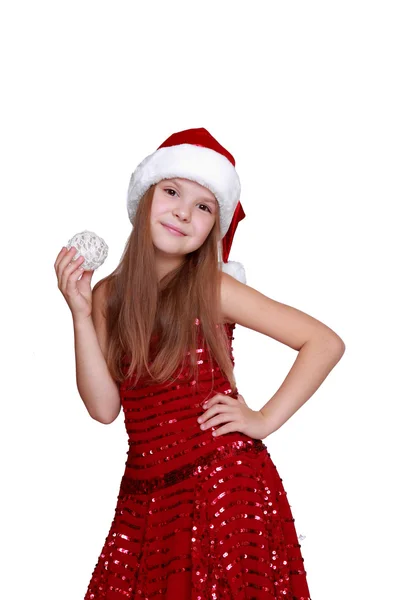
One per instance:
(198, 517)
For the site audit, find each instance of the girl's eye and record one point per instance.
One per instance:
(172, 190)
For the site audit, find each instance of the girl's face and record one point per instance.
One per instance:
(186, 205)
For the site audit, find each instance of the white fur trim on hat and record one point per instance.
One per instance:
(235, 269)
(197, 163)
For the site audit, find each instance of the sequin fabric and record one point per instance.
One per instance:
(198, 517)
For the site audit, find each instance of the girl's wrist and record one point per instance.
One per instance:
(270, 425)
(81, 321)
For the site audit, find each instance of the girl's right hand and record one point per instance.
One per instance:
(77, 294)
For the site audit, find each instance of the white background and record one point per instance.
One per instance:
(305, 95)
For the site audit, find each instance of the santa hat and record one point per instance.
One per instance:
(196, 155)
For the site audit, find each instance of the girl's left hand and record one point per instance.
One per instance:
(236, 414)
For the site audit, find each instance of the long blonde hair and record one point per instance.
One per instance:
(138, 306)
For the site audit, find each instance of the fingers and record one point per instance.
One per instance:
(64, 257)
(58, 259)
(223, 398)
(61, 255)
(65, 265)
(216, 409)
(71, 271)
(222, 417)
(63, 252)
(227, 428)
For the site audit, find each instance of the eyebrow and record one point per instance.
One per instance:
(206, 198)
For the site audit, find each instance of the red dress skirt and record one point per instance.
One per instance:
(198, 517)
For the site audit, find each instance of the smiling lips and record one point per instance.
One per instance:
(173, 230)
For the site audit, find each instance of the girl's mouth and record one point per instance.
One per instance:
(173, 231)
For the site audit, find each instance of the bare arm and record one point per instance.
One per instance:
(98, 390)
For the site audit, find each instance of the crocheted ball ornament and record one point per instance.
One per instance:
(91, 246)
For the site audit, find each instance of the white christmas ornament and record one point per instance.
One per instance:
(91, 246)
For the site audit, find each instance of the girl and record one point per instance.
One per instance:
(201, 512)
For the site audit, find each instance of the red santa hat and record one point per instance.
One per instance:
(196, 155)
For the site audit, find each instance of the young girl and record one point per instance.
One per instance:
(202, 512)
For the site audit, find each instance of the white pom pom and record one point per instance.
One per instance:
(235, 269)
(92, 247)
